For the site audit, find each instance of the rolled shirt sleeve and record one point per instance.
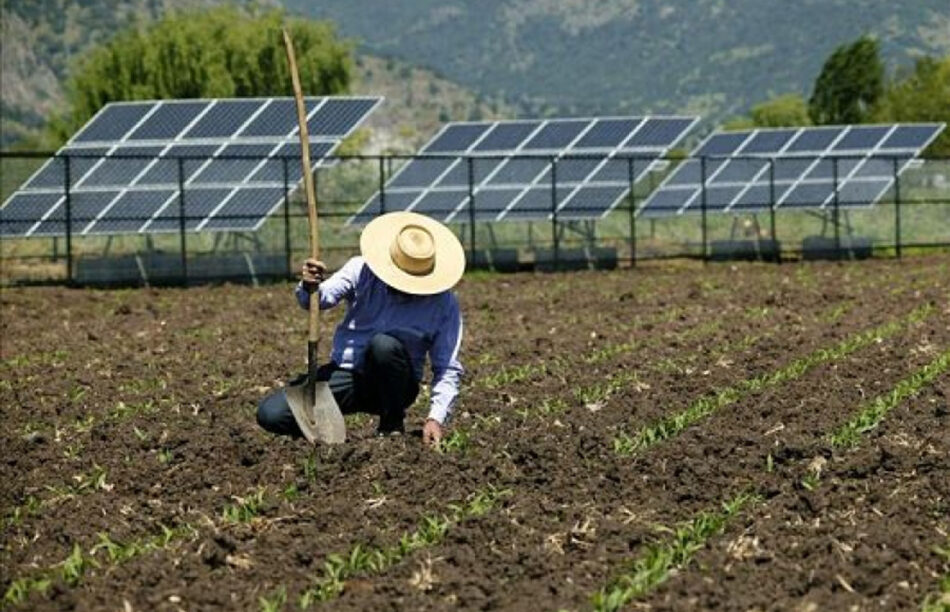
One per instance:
(446, 368)
(340, 286)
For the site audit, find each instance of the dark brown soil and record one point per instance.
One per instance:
(156, 389)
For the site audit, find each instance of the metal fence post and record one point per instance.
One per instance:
(557, 256)
(67, 172)
(471, 208)
(897, 208)
(702, 199)
(631, 178)
(776, 251)
(834, 175)
(382, 185)
(181, 220)
(288, 251)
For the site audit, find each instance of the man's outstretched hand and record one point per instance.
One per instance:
(431, 432)
(313, 273)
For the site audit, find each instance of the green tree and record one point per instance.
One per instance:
(922, 95)
(850, 83)
(788, 110)
(224, 52)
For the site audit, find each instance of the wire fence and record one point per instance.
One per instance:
(180, 230)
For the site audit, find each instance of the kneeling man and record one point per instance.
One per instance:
(399, 308)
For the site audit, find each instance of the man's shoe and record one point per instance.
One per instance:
(388, 428)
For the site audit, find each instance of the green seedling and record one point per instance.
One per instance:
(360, 560)
(246, 509)
(290, 493)
(874, 412)
(653, 567)
(457, 441)
(669, 427)
(275, 602)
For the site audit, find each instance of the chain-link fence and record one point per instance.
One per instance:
(179, 230)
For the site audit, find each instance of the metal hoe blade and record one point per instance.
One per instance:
(316, 412)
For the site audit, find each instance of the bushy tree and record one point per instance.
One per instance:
(850, 83)
(224, 52)
(922, 95)
(788, 110)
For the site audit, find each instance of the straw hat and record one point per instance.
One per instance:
(412, 253)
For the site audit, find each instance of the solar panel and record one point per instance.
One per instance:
(124, 165)
(751, 170)
(511, 167)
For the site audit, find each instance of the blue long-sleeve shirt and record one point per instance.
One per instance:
(424, 324)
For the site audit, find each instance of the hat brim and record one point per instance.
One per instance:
(378, 236)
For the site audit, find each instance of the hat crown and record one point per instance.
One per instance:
(413, 250)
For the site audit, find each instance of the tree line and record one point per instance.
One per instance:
(853, 87)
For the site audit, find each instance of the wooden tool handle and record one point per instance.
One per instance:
(313, 335)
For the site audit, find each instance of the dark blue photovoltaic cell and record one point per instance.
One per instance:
(591, 201)
(458, 175)
(277, 120)
(130, 212)
(339, 117)
(489, 203)
(767, 142)
(537, 203)
(740, 170)
(555, 135)
(440, 204)
(813, 140)
(519, 171)
(690, 172)
(84, 208)
(824, 169)
(383, 203)
(168, 120)
(223, 119)
(658, 132)
(666, 202)
(421, 172)
(756, 197)
(572, 169)
(861, 138)
(910, 136)
(457, 138)
(790, 168)
(617, 170)
(882, 167)
(245, 209)
(722, 144)
(862, 193)
(121, 167)
(505, 136)
(607, 133)
(273, 169)
(113, 122)
(198, 204)
(23, 210)
(165, 170)
(717, 197)
(51, 175)
(227, 167)
(808, 195)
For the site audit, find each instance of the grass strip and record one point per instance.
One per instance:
(670, 427)
(875, 411)
(364, 561)
(654, 566)
(73, 568)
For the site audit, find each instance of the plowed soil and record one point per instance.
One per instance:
(130, 414)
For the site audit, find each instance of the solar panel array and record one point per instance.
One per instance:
(511, 173)
(124, 165)
(746, 171)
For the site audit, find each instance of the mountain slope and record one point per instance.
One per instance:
(711, 57)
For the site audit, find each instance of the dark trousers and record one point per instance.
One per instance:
(384, 386)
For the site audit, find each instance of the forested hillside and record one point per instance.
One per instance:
(712, 57)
